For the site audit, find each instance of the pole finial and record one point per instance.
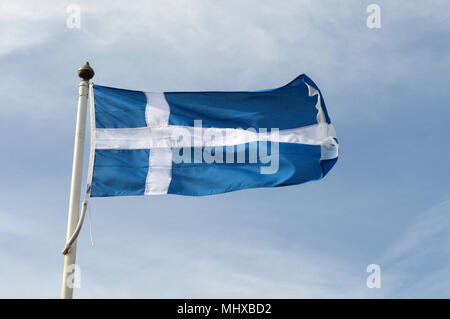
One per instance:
(86, 72)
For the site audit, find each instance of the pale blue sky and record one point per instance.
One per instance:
(386, 202)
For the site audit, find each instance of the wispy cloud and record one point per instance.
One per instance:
(13, 225)
(26, 24)
(192, 269)
(418, 264)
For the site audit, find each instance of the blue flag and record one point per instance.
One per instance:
(203, 143)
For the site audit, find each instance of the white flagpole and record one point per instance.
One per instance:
(85, 73)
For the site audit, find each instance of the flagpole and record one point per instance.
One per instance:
(85, 73)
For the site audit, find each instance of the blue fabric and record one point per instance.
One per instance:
(287, 107)
(124, 172)
(117, 108)
(327, 165)
(298, 163)
(119, 172)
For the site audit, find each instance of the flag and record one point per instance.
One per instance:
(203, 143)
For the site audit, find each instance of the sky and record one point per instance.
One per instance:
(386, 201)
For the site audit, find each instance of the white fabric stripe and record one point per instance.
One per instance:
(329, 150)
(157, 110)
(159, 173)
(169, 136)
